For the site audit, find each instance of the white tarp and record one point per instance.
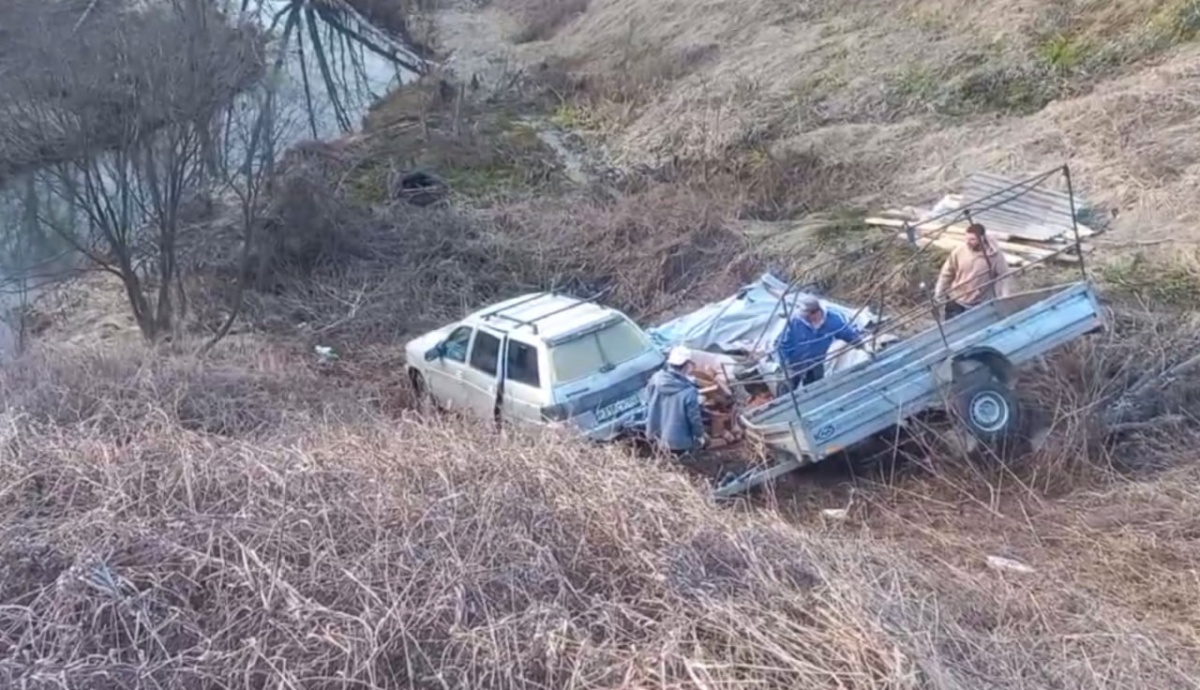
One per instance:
(750, 321)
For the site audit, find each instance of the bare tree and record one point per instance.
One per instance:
(253, 129)
(124, 112)
(140, 147)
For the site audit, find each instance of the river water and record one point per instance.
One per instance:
(327, 83)
(354, 78)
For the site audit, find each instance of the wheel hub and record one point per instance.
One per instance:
(989, 411)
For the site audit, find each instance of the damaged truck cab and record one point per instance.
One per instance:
(539, 358)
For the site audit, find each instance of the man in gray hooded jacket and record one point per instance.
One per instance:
(673, 407)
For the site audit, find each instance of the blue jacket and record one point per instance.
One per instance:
(673, 411)
(801, 346)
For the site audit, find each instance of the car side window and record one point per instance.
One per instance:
(522, 364)
(455, 346)
(485, 352)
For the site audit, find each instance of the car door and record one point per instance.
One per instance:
(444, 375)
(525, 385)
(481, 376)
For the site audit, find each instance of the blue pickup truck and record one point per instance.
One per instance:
(966, 364)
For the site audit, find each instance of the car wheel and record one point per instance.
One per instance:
(421, 390)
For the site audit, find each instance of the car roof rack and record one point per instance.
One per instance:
(526, 300)
(532, 323)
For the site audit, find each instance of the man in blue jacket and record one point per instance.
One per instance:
(673, 407)
(805, 341)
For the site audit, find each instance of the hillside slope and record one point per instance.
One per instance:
(911, 95)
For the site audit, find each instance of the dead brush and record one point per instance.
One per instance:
(539, 20)
(409, 269)
(1105, 504)
(421, 554)
(647, 252)
(402, 269)
(242, 390)
(1130, 396)
(405, 560)
(1117, 403)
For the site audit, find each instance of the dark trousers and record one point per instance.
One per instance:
(809, 376)
(953, 309)
(683, 457)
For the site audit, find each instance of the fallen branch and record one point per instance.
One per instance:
(1137, 405)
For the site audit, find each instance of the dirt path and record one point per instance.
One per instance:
(476, 44)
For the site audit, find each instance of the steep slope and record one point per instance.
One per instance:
(913, 94)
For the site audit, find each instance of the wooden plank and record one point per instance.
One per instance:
(960, 232)
(1085, 231)
(901, 213)
(1019, 248)
(885, 222)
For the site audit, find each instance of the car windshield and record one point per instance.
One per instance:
(595, 351)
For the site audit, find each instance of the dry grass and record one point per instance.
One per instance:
(348, 550)
(541, 19)
(917, 93)
(402, 269)
(247, 388)
(648, 252)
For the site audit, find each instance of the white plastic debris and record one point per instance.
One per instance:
(325, 353)
(1002, 563)
(948, 203)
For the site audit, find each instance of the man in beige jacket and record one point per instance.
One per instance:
(972, 274)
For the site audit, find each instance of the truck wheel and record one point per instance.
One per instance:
(989, 411)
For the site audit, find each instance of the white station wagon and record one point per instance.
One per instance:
(541, 357)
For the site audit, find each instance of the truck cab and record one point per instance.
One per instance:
(539, 358)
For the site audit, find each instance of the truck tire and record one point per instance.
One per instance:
(989, 411)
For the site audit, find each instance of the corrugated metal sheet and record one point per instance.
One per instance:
(1029, 210)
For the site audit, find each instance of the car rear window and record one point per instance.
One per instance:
(618, 342)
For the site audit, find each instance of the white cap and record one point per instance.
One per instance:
(679, 356)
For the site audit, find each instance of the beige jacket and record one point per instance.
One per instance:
(969, 277)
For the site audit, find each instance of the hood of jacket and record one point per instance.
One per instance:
(671, 382)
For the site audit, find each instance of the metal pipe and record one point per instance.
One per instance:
(1066, 170)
